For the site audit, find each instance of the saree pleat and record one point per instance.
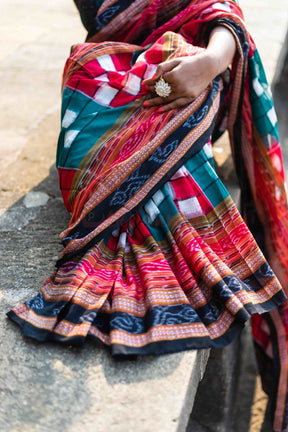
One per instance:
(157, 258)
(185, 269)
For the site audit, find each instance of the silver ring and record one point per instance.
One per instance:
(162, 88)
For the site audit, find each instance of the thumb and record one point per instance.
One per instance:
(166, 66)
(162, 68)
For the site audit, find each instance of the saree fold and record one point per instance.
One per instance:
(156, 257)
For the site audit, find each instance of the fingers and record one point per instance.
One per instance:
(168, 105)
(177, 103)
(154, 101)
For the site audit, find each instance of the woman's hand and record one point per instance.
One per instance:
(188, 76)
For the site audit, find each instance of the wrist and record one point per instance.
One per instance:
(212, 66)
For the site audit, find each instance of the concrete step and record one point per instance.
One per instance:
(50, 387)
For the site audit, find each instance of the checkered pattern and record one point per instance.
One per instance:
(261, 100)
(190, 201)
(116, 81)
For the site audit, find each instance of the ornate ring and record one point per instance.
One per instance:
(162, 88)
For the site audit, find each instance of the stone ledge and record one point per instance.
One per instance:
(70, 390)
(51, 387)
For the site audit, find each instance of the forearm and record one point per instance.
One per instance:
(221, 49)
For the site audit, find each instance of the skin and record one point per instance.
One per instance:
(190, 76)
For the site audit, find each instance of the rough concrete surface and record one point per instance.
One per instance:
(50, 387)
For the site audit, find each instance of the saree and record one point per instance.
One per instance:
(157, 258)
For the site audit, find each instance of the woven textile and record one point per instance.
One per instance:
(156, 257)
(184, 272)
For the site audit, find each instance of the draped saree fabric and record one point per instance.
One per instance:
(156, 257)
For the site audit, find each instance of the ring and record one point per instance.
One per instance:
(162, 88)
